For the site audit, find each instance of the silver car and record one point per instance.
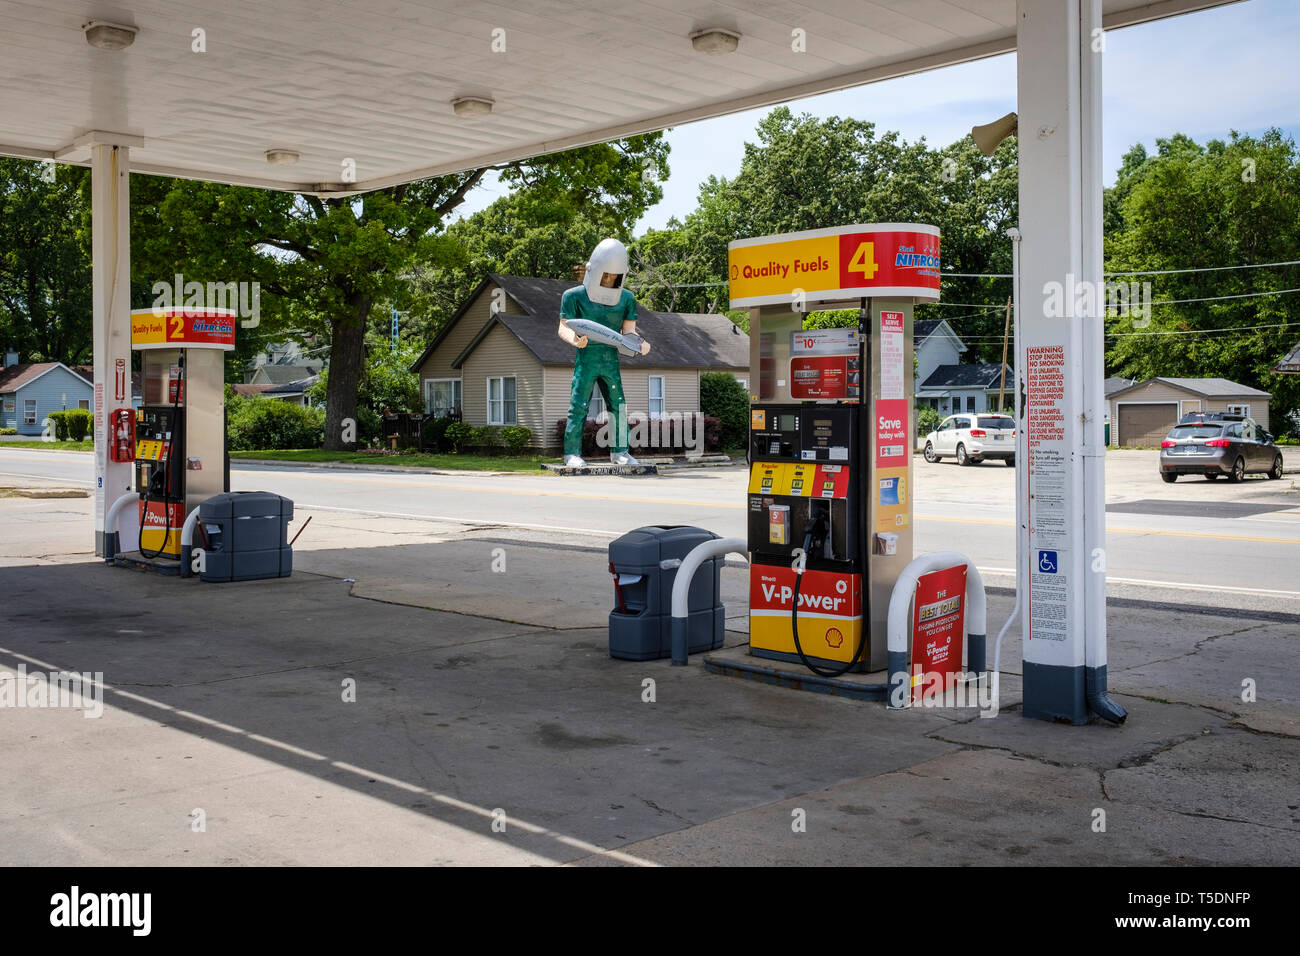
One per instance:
(972, 438)
(1214, 448)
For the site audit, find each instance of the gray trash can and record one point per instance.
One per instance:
(644, 565)
(247, 536)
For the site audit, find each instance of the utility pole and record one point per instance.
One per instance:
(1006, 331)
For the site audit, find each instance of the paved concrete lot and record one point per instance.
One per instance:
(483, 697)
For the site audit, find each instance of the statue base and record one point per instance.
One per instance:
(604, 469)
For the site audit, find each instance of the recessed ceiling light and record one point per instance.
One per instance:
(103, 35)
(715, 40)
(281, 157)
(472, 105)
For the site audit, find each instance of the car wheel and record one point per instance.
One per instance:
(930, 456)
(1276, 471)
(1238, 470)
(962, 459)
(1168, 477)
(1011, 462)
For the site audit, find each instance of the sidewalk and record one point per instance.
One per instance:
(483, 696)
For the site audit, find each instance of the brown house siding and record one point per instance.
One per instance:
(501, 354)
(438, 364)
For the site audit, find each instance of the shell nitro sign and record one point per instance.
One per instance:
(183, 328)
(891, 260)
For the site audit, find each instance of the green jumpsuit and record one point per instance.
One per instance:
(596, 364)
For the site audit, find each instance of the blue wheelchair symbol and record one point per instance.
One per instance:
(1047, 562)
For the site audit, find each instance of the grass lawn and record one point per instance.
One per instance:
(447, 462)
(87, 445)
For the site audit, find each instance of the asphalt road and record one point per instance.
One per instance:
(1196, 536)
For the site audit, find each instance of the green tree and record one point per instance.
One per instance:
(1192, 206)
(809, 173)
(46, 296)
(324, 263)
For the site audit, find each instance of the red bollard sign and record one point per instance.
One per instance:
(938, 627)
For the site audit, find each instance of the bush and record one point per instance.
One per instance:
(78, 420)
(60, 422)
(485, 437)
(268, 423)
(516, 437)
(435, 433)
(8, 431)
(927, 419)
(725, 399)
(458, 433)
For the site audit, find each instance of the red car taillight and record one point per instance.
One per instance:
(977, 433)
(1218, 443)
(1168, 444)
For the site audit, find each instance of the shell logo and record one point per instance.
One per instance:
(834, 637)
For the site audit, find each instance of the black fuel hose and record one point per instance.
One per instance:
(794, 621)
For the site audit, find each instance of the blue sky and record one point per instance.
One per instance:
(1202, 74)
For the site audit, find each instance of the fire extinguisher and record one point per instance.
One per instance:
(175, 386)
(122, 446)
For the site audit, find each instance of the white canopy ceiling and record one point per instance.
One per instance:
(373, 80)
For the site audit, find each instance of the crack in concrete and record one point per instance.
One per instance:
(664, 812)
(1195, 650)
(1238, 725)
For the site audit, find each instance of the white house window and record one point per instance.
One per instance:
(441, 396)
(596, 409)
(970, 403)
(502, 405)
(656, 394)
(1239, 410)
(29, 411)
(83, 403)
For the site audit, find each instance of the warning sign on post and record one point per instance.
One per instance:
(1048, 466)
(938, 627)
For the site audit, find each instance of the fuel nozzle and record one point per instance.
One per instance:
(819, 525)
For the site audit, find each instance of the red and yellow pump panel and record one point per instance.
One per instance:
(890, 260)
(830, 612)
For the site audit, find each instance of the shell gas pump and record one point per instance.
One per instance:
(180, 429)
(831, 435)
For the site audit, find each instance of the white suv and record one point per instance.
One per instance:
(971, 438)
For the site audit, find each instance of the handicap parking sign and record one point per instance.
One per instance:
(1047, 562)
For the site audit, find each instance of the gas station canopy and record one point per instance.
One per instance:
(374, 82)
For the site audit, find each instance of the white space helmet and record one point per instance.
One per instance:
(606, 270)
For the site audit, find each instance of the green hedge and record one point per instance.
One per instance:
(71, 423)
(259, 424)
(724, 398)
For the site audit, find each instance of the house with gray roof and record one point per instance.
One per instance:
(499, 361)
(29, 392)
(1291, 363)
(1142, 413)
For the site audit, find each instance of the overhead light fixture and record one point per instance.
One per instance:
(715, 40)
(991, 135)
(281, 157)
(103, 35)
(472, 105)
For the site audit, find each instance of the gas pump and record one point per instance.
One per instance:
(180, 429)
(830, 442)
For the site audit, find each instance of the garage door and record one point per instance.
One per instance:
(1145, 426)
